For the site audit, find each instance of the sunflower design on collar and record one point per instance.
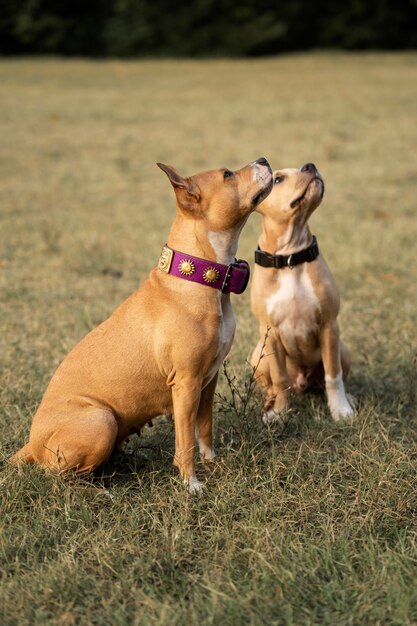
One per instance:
(211, 275)
(186, 267)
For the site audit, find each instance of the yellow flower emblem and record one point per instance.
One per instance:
(210, 275)
(186, 267)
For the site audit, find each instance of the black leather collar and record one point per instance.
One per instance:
(278, 260)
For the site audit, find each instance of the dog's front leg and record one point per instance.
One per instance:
(186, 398)
(204, 426)
(274, 359)
(339, 405)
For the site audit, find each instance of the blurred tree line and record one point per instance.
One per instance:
(128, 28)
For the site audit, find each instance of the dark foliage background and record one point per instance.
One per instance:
(131, 28)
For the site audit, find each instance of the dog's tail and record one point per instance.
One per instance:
(24, 455)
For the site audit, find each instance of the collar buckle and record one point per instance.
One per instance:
(165, 259)
(240, 265)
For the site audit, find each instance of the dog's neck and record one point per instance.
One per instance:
(286, 237)
(193, 237)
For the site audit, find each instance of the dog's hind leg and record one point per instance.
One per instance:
(81, 444)
(24, 455)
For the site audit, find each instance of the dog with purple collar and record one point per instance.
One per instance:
(160, 351)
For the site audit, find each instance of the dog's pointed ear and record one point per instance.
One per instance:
(187, 192)
(175, 179)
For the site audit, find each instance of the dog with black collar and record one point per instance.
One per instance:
(296, 301)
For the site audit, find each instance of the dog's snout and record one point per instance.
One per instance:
(263, 162)
(308, 167)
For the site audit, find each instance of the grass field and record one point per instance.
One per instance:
(311, 524)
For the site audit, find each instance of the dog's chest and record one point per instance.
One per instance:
(226, 332)
(294, 307)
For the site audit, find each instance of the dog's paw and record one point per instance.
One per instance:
(127, 447)
(194, 486)
(272, 416)
(352, 401)
(207, 454)
(340, 405)
(343, 410)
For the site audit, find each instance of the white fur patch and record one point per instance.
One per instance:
(255, 169)
(293, 307)
(339, 405)
(225, 244)
(227, 327)
(206, 453)
(260, 173)
(194, 485)
(294, 288)
(271, 416)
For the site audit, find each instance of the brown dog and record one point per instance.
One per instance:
(160, 351)
(295, 299)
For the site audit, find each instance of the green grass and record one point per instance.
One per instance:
(314, 523)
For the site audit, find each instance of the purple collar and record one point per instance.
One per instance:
(231, 278)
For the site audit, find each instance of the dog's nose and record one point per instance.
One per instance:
(308, 167)
(262, 161)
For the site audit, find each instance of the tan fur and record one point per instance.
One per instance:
(296, 308)
(159, 352)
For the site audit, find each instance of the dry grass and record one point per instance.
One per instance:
(313, 525)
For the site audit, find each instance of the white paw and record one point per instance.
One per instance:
(339, 405)
(194, 485)
(271, 416)
(343, 410)
(206, 453)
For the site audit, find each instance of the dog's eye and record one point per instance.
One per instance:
(278, 179)
(227, 174)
